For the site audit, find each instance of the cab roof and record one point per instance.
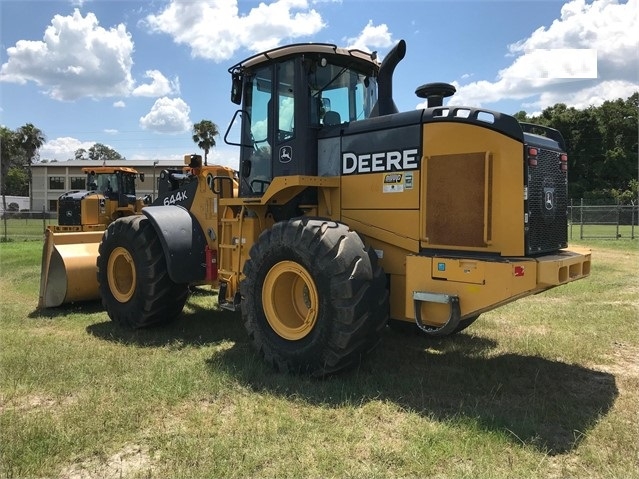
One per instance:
(298, 49)
(109, 169)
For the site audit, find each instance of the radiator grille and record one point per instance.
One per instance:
(546, 204)
(69, 212)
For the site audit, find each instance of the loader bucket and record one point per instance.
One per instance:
(69, 267)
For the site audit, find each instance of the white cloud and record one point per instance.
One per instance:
(159, 86)
(216, 29)
(605, 27)
(76, 58)
(63, 148)
(167, 115)
(110, 131)
(371, 37)
(555, 63)
(119, 104)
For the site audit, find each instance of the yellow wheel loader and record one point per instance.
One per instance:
(71, 246)
(346, 213)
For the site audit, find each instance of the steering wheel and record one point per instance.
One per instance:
(283, 135)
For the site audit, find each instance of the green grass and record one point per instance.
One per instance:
(547, 386)
(25, 229)
(602, 231)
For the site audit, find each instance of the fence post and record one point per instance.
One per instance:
(581, 220)
(571, 210)
(618, 219)
(632, 221)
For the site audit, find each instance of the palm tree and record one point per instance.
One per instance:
(30, 138)
(7, 158)
(204, 134)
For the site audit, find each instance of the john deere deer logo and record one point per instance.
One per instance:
(549, 200)
(286, 154)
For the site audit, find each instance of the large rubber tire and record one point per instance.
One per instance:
(134, 283)
(314, 299)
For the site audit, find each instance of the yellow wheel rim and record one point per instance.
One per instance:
(121, 274)
(290, 300)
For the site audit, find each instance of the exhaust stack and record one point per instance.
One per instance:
(385, 104)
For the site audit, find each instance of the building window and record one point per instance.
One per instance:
(56, 182)
(53, 205)
(78, 183)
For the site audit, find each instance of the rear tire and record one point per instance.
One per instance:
(134, 283)
(314, 299)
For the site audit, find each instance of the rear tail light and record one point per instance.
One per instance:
(532, 156)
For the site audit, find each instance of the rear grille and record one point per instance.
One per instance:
(546, 204)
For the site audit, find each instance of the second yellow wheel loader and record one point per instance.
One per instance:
(71, 246)
(346, 213)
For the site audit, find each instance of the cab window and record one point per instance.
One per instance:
(342, 95)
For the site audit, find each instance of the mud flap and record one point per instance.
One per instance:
(182, 240)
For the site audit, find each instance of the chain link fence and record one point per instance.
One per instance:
(585, 221)
(25, 225)
(591, 221)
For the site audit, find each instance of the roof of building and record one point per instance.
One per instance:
(127, 163)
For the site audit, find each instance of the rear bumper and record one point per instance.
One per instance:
(564, 267)
(481, 285)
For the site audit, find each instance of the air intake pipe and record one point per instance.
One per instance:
(435, 93)
(385, 104)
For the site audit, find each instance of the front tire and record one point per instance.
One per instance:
(134, 283)
(314, 299)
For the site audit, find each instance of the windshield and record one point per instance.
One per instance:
(106, 183)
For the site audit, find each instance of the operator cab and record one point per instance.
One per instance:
(114, 184)
(288, 95)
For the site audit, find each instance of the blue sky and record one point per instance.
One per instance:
(136, 75)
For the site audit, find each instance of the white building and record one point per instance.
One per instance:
(21, 201)
(50, 180)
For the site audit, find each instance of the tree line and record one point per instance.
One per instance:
(18, 151)
(601, 143)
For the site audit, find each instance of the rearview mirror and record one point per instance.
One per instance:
(236, 89)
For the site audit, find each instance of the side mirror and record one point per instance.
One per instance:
(142, 177)
(236, 89)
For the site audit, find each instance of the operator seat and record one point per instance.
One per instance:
(332, 118)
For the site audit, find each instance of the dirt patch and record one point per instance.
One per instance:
(35, 402)
(132, 460)
(624, 361)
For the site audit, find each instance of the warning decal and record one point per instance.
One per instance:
(393, 183)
